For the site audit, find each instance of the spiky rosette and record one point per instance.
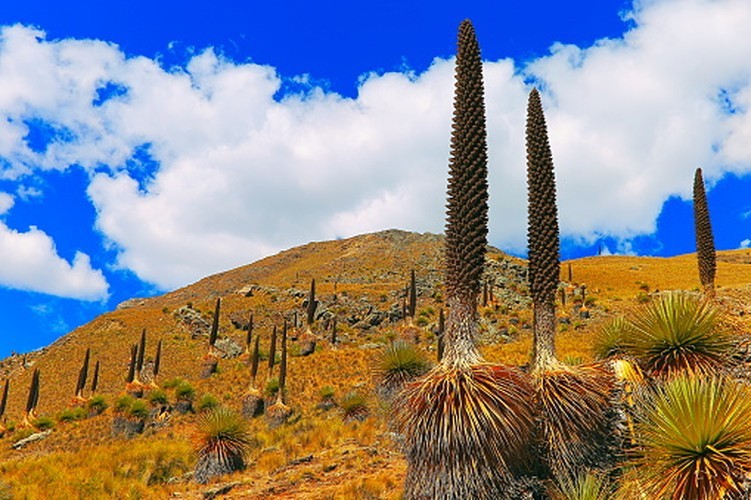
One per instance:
(679, 331)
(465, 431)
(704, 239)
(399, 363)
(467, 204)
(575, 411)
(693, 440)
(542, 233)
(223, 441)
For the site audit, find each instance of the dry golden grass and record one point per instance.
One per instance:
(349, 460)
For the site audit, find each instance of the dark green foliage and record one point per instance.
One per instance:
(185, 392)
(95, 378)
(138, 409)
(467, 204)
(224, 439)
(124, 403)
(704, 239)
(43, 423)
(412, 295)
(354, 406)
(72, 414)
(542, 230)
(215, 324)
(157, 397)
(311, 309)
(333, 331)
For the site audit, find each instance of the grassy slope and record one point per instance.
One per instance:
(349, 459)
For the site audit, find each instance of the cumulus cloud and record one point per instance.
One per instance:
(30, 262)
(199, 169)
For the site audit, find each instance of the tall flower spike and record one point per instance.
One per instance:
(705, 251)
(467, 202)
(542, 234)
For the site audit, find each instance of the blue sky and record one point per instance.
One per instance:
(144, 145)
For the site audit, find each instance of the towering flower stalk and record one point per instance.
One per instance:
(542, 234)
(465, 423)
(705, 251)
(467, 204)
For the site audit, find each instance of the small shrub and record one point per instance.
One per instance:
(97, 404)
(272, 387)
(139, 409)
(397, 364)
(327, 392)
(224, 439)
(124, 403)
(185, 392)
(72, 414)
(207, 402)
(44, 423)
(157, 397)
(354, 406)
(173, 382)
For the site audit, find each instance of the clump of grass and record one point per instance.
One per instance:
(44, 423)
(72, 414)
(397, 364)
(224, 439)
(272, 387)
(354, 406)
(207, 402)
(679, 332)
(185, 392)
(693, 439)
(97, 405)
(124, 403)
(157, 397)
(466, 431)
(609, 340)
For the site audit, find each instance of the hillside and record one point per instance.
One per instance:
(361, 282)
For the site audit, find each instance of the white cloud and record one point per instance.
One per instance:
(30, 262)
(241, 174)
(745, 243)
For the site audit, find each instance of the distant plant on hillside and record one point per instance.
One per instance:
(249, 336)
(141, 355)
(33, 399)
(693, 440)
(272, 351)
(4, 400)
(223, 443)
(354, 406)
(311, 304)
(705, 249)
(132, 365)
(678, 332)
(278, 413)
(214, 334)
(157, 360)
(97, 405)
(412, 305)
(95, 378)
(83, 374)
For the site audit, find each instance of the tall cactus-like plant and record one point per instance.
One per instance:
(573, 403)
(95, 378)
(249, 336)
(141, 355)
(33, 400)
(215, 324)
(272, 350)
(412, 306)
(705, 249)
(132, 365)
(4, 400)
(83, 375)
(466, 424)
(542, 235)
(278, 413)
(312, 304)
